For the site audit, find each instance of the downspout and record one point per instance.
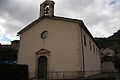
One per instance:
(82, 52)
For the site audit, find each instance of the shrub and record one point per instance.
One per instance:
(13, 72)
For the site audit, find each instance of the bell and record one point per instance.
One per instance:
(46, 10)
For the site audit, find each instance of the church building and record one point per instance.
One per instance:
(58, 46)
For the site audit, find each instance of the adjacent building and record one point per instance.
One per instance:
(14, 44)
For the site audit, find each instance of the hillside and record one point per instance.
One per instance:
(109, 42)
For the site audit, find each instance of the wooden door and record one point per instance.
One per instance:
(42, 67)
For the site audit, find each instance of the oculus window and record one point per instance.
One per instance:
(44, 34)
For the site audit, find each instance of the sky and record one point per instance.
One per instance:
(101, 17)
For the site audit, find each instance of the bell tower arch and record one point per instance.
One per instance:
(47, 8)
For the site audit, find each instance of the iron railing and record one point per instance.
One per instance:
(64, 75)
(80, 75)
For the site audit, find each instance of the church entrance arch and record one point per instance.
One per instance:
(42, 63)
(42, 67)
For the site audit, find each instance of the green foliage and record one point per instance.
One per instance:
(116, 47)
(116, 61)
(8, 54)
(13, 72)
(109, 42)
(107, 58)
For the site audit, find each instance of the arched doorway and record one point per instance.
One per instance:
(42, 67)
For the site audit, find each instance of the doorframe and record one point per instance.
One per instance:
(42, 52)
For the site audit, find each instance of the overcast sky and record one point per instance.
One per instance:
(102, 17)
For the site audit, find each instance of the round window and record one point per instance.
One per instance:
(44, 34)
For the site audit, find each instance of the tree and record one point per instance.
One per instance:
(116, 57)
(8, 54)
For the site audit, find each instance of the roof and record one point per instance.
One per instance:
(15, 41)
(80, 22)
